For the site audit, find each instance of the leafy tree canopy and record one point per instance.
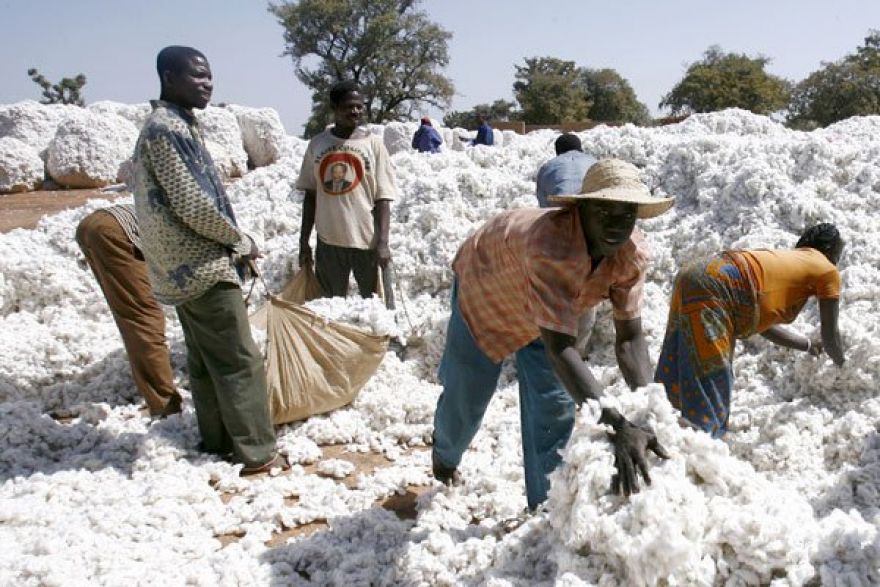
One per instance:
(838, 90)
(389, 47)
(549, 91)
(67, 91)
(611, 98)
(497, 110)
(728, 80)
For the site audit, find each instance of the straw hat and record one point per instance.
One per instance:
(614, 180)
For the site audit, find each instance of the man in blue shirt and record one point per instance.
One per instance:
(485, 136)
(564, 173)
(427, 139)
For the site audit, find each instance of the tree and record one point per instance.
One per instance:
(389, 47)
(728, 80)
(549, 91)
(848, 87)
(67, 91)
(611, 98)
(497, 110)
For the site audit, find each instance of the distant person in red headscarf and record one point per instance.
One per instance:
(427, 139)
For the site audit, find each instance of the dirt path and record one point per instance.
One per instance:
(25, 210)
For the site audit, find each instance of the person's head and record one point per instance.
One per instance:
(567, 142)
(612, 197)
(185, 76)
(825, 238)
(607, 225)
(481, 119)
(337, 171)
(426, 121)
(347, 103)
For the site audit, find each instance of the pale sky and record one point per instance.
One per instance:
(114, 42)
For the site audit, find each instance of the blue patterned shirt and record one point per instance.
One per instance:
(188, 231)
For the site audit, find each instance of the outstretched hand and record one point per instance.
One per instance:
(631, 446)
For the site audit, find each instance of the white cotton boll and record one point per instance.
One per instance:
(336, 468)
(299, 450)
(369, 315)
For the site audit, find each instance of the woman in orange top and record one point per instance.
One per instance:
(734, 295)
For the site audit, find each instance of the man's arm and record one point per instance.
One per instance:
(631, 443)
(631, 349)
(194, 200)
(569, 366)
(305, 231)
(382, 219)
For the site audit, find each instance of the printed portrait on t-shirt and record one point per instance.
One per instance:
(341, 172)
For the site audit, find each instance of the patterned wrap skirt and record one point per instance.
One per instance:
(713, 303)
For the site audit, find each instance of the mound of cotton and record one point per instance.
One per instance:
(33, 123)
(262, 134)
(89, 149)
(134, 113)
(222, 136)
(792, 491)
(703, 520)
(21, 168)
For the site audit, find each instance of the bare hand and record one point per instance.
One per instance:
(816, 347)
(383, 255)
(631, 446)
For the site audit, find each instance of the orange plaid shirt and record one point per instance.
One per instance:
(529, 268)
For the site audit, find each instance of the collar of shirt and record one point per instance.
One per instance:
(185, 114)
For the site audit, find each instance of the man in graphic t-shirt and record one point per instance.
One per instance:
(348, 182)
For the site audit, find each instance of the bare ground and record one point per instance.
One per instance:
(25, 210)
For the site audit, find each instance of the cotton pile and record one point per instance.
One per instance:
(789, 497)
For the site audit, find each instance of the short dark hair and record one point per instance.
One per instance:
(567, 142)
(340, 90)
(822, 237)
(174, 58)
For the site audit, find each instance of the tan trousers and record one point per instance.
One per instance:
(122, 273)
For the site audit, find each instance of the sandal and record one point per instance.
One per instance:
(278, 461)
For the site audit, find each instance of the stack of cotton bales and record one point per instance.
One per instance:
(92, 147)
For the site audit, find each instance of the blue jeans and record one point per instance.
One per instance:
(469, 379)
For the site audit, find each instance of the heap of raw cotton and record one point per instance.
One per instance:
(790, 497)
(91, 147)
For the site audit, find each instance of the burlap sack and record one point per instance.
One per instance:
(313, 365)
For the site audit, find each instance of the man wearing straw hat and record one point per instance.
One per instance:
(521, 282)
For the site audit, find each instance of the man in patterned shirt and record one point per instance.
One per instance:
(521, 282)
(109, 240)
(192, 245)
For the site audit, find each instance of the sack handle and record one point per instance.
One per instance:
(252, 267)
